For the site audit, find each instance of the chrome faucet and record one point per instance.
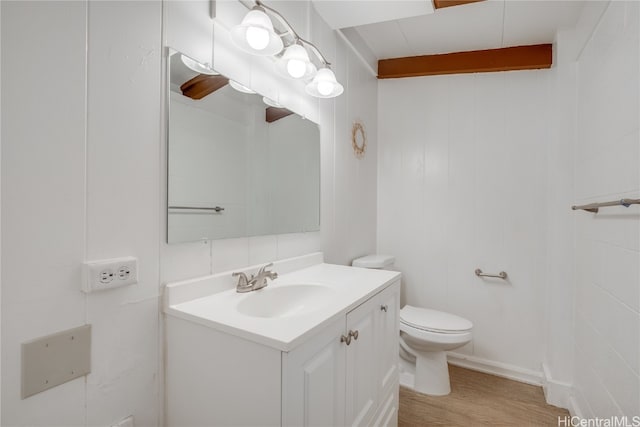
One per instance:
(259, 281)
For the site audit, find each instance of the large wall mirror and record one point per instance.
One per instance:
(239, 164)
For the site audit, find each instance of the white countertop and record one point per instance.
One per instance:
(352, 286)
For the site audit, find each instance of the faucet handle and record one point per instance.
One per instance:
(243, 280)
(264, 268)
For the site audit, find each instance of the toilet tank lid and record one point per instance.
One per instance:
(433, 320)
(374, 261)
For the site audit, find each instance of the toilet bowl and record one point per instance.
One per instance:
(425, 337)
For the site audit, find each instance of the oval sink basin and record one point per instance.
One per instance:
(285, 301)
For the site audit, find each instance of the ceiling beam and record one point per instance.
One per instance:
(439, 4)
(273, 113)
(203, 85)
(477, 61)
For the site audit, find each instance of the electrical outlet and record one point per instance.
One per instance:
(105, 276)
(124, 272)
(110, 273)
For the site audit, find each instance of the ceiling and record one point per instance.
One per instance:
(350, 13)
(485, 25)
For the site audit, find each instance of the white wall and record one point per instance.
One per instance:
(0, 215)
(558, 218)
(481, 171)
(348, 196)
(607, 245)
(81, 181)
(462, 185)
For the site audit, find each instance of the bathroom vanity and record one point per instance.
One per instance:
(317, 346)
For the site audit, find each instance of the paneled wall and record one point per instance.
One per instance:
(607, 245)
(80, 176)
(83, 178)
(462, 175)
(559, 219)
(45, 219)
(480, 171)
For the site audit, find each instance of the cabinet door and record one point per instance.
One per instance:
(313, 380)
(388, 314)
(362, 379)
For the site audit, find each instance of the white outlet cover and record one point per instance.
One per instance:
(95, 271)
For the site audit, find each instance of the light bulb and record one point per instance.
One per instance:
(295, 62)
(255, 34)
(296, 68)
(258, 38)
(324, 85)
(325, 88)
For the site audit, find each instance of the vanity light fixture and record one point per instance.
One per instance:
(256, 35)
(197, 66)
(324, 85)
(271, 103)
(240, 88)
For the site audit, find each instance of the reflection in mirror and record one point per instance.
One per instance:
(237, 167)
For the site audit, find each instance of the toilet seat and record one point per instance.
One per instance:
(423, 338)
(415, 320)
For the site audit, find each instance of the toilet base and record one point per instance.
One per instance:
(434, 378)
(432, 374)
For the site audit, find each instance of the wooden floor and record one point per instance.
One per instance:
(478, 399)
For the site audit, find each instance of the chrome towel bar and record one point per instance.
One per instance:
(501, 275)
(593, 207)
(216, 209)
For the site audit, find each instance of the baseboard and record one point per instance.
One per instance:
(578, 406)
(498, 369)
(574, 408)
(557, 393)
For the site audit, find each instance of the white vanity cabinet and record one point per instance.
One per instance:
(329, 382)
(335, 366)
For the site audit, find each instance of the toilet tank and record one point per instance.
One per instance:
(374, 261)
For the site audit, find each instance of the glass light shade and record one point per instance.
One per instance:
(240, 88)
(296, 68)
(255, 34)
(324, 85)
(257, 37)
(271, 103)
(197, 67)
(296, 59)
(295, 63)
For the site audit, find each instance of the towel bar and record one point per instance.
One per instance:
(501, 275)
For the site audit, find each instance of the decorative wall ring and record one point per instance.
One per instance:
(358, 139)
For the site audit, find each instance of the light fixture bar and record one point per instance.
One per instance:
(317, 52)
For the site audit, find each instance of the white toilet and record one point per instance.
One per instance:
(425, 336)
